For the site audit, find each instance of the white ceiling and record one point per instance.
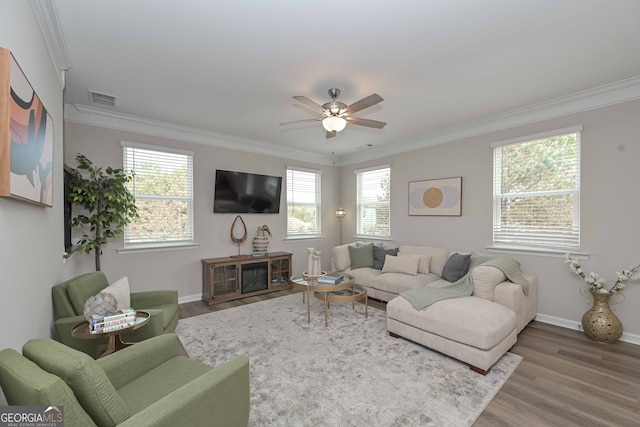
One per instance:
(232, 67)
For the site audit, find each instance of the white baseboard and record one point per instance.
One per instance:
(571, 324)
(189, 298)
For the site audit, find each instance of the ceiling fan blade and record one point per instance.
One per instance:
(295, 122)
(366, 122)
(309, 103)
(367, 102)
(331, 134)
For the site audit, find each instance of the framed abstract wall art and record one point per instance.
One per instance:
(436, 197)
(26, 138)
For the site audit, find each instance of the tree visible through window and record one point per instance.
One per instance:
(163, 188)
(303, 202)
(373, 202)
(537, 191)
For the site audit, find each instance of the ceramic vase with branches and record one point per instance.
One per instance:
(599, 322)
(261, 241)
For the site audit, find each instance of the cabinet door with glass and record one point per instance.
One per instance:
(280, 271)
(220, 281)
(224, 279)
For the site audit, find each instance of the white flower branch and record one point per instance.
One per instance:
(596, 283)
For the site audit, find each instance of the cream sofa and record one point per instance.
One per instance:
(477, 329)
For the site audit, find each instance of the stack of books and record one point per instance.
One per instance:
(121, 319)
(331, 280)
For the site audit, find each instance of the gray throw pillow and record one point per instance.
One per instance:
(456, 267)
(361, 256)
(379, 254)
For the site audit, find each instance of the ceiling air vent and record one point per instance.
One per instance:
(102, 98)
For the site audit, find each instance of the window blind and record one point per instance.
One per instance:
(536, 191)
(373, 202)
(163, 188)
(303, 202)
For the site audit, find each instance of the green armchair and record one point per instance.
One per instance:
(147, 384)
(69, 298)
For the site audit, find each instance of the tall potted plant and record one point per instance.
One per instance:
(108, 205)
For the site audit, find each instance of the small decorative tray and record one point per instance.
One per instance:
(307, 276)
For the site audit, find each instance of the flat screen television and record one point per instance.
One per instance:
(240, 192)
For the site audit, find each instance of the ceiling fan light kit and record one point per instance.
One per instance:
(334, 123)
(336, 114)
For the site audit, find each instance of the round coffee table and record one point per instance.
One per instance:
(343, 292)
(115, 343)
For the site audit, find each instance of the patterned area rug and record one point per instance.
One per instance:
(351, 373)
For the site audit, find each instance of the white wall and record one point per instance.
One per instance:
(31, 237)
(609, 205)
(181, 269)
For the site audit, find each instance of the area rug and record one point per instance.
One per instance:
(351, 373)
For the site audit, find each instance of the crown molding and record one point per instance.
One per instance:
(82, 114)
(601, 96)
(591, 99)
(46, 15)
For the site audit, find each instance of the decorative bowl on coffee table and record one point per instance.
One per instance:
(307, 276)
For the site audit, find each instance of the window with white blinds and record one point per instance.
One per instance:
(163, 188)
(373, 202)
(303, 202)
(536, 191)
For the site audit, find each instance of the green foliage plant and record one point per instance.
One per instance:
(108, 205)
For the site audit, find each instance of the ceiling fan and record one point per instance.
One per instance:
(336, 114)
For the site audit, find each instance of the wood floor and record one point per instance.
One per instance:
(565, 379)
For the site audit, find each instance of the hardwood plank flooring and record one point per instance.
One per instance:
(565, 379)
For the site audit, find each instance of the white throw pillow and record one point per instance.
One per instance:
(438, 256)
(425, 261)
(120, 290)
(341, 257)
(406, 265)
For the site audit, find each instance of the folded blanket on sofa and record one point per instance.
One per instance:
(423, 297)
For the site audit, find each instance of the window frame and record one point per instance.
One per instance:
(178, 242)
(360, 206)
(530, 244)
(317, 232)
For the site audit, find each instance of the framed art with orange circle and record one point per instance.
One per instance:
(436, 197)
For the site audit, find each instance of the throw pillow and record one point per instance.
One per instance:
(361, 256)
(120, 290)
(425, 261)
(341, 258)
(379, 255)
(396, 264)
(456, 267)
(103, 303)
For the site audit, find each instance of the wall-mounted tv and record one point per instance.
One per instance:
(240, 192)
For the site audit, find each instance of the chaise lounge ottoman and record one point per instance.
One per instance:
(471, 329)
